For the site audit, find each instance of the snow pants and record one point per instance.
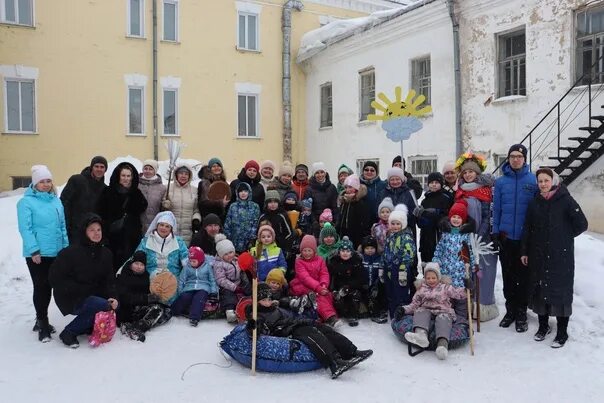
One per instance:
(442, 323)
(324, 342)
(192, 301)
(42, 288)
(85, 312)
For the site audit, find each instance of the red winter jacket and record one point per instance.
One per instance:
(311, 275)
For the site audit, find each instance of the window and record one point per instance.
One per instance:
(20, 106)
(248, 31)
(590, 44)
(366, 93)
(421, 167)
(512, 64)
(136, 19)
(421, 80)
(326, 106)
(21, 181)
(499, 159)
(136, 103)
(17, 12)
(170, 20)
(361, 163)
(170, 111)
(247, 115)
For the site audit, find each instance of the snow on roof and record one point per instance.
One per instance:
(316, 40)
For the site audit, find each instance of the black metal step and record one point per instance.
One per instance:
(589, 129)
(599, 118)
(582, 139)
(574, 148)
(574, 159)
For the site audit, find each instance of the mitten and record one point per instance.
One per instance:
(373, 294)
(418, 211)
(166, 204)
(495, 241)
(399, 312)
(195, 225)
(381, 275)
(251, 324)
(402, 278)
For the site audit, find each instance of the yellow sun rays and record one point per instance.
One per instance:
(399, 108)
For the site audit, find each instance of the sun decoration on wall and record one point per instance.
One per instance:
(400, 118)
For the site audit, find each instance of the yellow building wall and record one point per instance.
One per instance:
(82, 53)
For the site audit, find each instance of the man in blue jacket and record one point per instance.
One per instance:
(513, 192)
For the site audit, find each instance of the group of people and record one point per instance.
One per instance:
(323, 250)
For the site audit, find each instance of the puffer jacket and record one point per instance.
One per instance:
(184, 205)
(311, 275)
(375, 187)
(513, 192)
(271, 257)
(448, 249)
(402, 195)
(354, 219)
(257, 188)
(241, 221)
(227, 275)
(196, 279)
(41, 223)
(436, 299)
(346, 273)
(154, 191)
(324, 195)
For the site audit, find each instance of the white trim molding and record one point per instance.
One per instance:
(248, 7)
(19, 71)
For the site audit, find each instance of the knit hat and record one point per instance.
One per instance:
(264, 291)
(346, 244)
(521, 148)
(399, 214)
(434, 268)
(386, 203)
(277, 276)
(396, 171)
(449, 166)
(195, 252)
(328, 230)
(40, 173)
(326, 216)
(302, 167)
(245, 261)
(268, 228)
(290, 194)
(139, 256)
(268, 164)
(306, 203)
(318, 166)
(436, 177)
(286, 169)
(353, 181)
(460, 208)
(152, 163)
(223, 245)
(99, 159)
(367, 241)
(252, 164)
(470, 165)
(371, 164)
(309, 241)
(397, 160)
(344, 169)
(549, 172)
(272, 195)
(213, 161)
(210, 219)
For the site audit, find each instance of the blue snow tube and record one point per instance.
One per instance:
(273, 354)
(458, 337)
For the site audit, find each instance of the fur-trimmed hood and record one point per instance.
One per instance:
(358, 195)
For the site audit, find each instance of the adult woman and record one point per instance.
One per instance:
(120, 206)
(166, 255)
(83, 280)
(553, 220)
(323, 192)
(213, 173)
(397, 190)
(181, 199)
(250, 175)
(450, 175)
(282, 183)
(343, 173)
(150, 184)
(42, 228)
(375, 186)
(267, 171)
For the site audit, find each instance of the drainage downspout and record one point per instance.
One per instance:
(286, 27)
(459, 147)
(155, 139)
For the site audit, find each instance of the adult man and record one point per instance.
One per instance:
(81, 194)
(513, 192)
(412, 183)
(300, 181)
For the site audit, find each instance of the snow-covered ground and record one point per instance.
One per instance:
(507, 366)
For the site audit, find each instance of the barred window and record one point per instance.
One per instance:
(326, 106)
(421, 80)
(366, 93)
(512, 63)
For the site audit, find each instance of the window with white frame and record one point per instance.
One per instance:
(247, 31)
(421, 78)
(20, 105)
(422, 166)
(136, 110)
(366, 93)
(19, 12)
(590, 45)
(21, 181)
(170, 111)
(136, 18)
(170, 20)
(498, 160)
(512, 63)
(361, 163)
(247, 115)
(326, 106)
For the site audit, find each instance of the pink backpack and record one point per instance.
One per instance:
(104, 328)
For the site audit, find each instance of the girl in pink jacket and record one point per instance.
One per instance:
(312, 277)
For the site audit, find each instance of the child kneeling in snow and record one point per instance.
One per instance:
(333, 350)
(432, 300)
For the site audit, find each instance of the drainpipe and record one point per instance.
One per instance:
(286, 27)
(155, 139)
(459, 147)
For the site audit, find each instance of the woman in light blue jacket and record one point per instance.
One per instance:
(42, 228)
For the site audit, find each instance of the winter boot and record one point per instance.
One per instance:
(193, 322)
(333, 321)
(521, 321)
(36, 327)
(339, 366)
(442, 349)
(44, 330)
(312, 299)
(419, 337)
(382, 317)
(361, 355)
(294, 303)
(304, 301)
(508, 319)
(544, 328)
(69, 339)
(352, 322)
(132, 331)
(561, 334)
(231, 316)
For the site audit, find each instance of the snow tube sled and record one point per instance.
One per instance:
(273, 354)
(458, 337)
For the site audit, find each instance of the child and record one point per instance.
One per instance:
(374, 295)
(290, 205)
(346, 272)
(379, 230)
(298, 305)
(432, 300)
(329, 241)
(195, 284)
(312, 276)
(305, 221)
(267, 253)
(277, 217)
(353, 219)
(332, 349)
(434, 207)
(325, 217)
(241, 219)
(232, 282)
(399, 253)
(139, 311)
